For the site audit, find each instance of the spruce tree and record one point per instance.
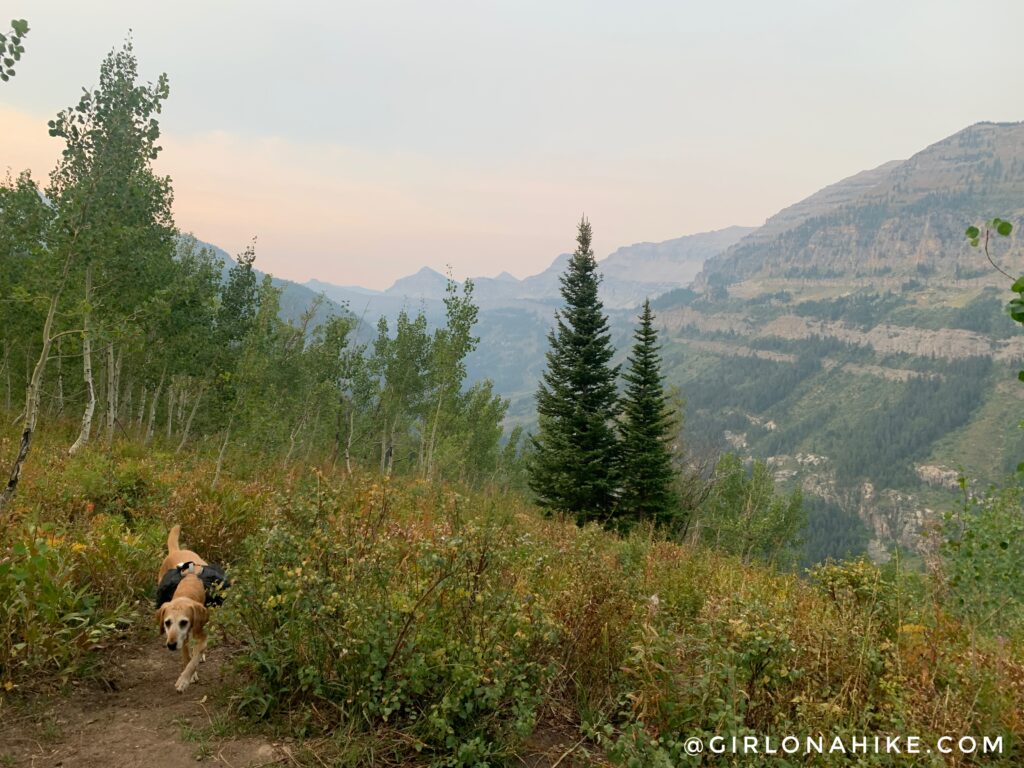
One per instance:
(575, 466)
(648, 491)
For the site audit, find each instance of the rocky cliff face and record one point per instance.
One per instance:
(903, 218)
(884, 339)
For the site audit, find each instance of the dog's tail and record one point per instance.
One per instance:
(172, 539)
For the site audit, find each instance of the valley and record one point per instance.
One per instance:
(857, 323)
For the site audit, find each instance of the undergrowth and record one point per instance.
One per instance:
(401, 622)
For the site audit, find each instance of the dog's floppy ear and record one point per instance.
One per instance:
(199, 616)
(160, 617)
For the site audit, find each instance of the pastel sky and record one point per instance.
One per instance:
(360, 140)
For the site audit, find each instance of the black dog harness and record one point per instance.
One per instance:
(215, 581)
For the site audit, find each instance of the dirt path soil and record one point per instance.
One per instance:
(141, 722)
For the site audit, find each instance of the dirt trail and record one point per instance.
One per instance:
(142, 722)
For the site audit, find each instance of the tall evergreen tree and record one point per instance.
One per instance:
(575, 467)
(648, 491)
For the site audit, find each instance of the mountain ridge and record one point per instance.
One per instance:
(901, 219)
(631, 274)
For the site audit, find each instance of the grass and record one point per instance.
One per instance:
(407, 623)
(205, 737)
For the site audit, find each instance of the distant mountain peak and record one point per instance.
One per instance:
(426, 283)
(430, 271)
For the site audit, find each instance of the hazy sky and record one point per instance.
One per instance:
(362, 140)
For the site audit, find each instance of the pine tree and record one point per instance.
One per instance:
(575, 467)
(648, 491)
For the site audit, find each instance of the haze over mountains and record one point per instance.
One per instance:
(631, 274)
(854, 340)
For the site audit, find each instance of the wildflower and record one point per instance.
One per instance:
(78, 547)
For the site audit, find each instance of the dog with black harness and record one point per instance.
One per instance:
(186, 584)
(212, 576)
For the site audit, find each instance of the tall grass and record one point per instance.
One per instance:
(403, 622)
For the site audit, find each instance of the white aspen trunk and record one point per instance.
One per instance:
(60, 378)
(152, 408)
(336, 452)
(111, 392)
(292, 436)
(34, 387)
(182, 399)
(191, 415)
(117, 391)
(433, 435)
(142, 407)
(348, 441)
(90, 404)
(391, 447)
(7, 368)
(127, 405)
(171, 390)
(220, 456)
(108, 415)
(316, 429)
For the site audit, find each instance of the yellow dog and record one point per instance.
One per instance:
(184, 617)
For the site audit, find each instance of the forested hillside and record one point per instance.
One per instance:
(858, 344)
(854, 341)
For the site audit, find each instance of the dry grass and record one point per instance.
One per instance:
(407, 623)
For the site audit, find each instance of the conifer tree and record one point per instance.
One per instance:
(648, 491)
(575, 467)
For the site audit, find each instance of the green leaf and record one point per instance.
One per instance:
(1016, 308)
(1004, 228)
(20, 26)
(973, 233)
(1020, 375)
(1018, 286)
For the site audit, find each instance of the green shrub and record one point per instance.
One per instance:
(356, 612)
(50, 617)
(983, 559)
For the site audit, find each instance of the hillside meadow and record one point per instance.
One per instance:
(403, 622)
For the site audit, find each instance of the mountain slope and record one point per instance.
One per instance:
(296, 299)
(858, 344)
(902, 219)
